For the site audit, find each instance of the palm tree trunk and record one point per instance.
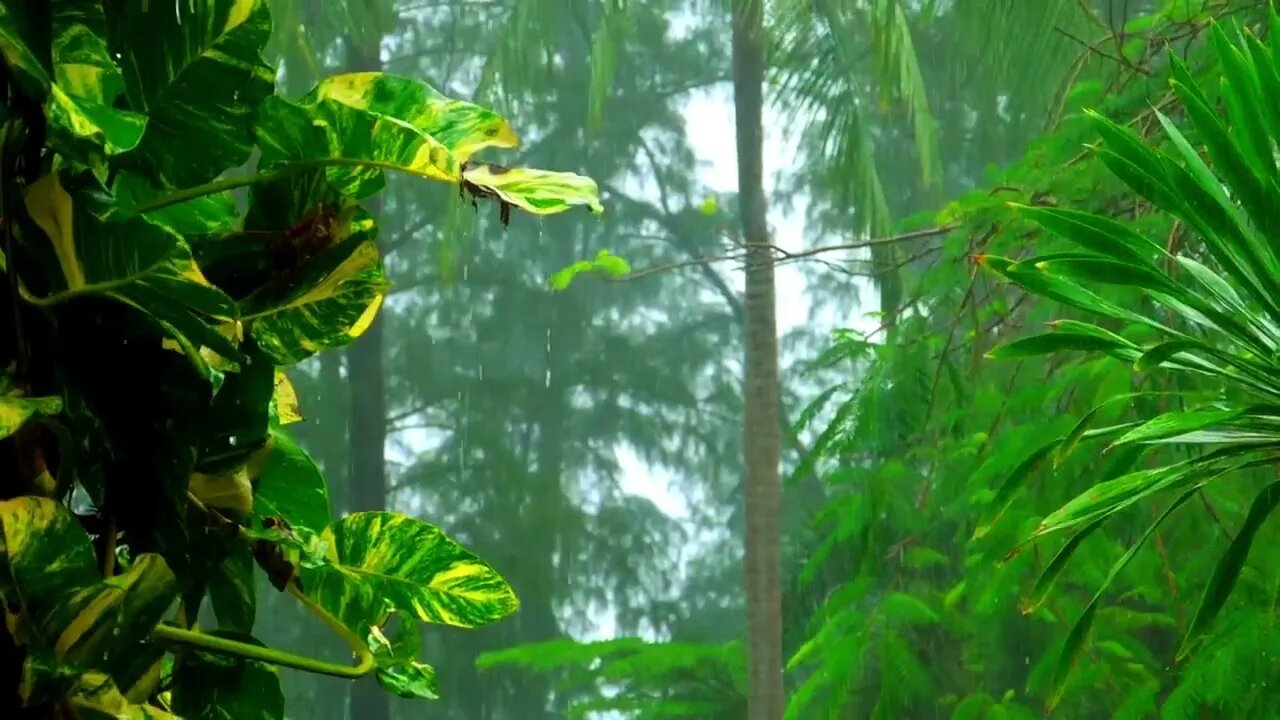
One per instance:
(761, 438)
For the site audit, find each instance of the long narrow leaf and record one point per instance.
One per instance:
(1229, 565)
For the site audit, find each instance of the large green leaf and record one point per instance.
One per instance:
(198, 76)
(130, 261)
(460, 126)
(82, 118)
(290, 486)
(382, 562)
(354, 145)
(216, 687)
(328, 302)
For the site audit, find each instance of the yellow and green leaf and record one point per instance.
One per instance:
(285, 408)
(460, 126)
(82, 119)
(74, 614)
(355, 146)
(383, 562)
(328, 302)
(541, 192)
(398, 668)
(16, 410)
(96, 697)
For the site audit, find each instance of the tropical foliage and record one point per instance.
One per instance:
(176, 237)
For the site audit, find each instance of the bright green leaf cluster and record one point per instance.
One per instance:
(154, 323)
(1218, 314)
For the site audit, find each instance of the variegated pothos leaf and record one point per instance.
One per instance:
(383, 562)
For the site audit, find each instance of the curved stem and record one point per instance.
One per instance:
(226, 646)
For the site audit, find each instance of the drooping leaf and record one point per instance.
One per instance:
(541, 192)
(381, 562)
(1080, 631)
(1172, 424)
(198, 78)
(1057, 342)
(1229, 565)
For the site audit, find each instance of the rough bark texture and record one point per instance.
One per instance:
(761, 438)
(367, 475)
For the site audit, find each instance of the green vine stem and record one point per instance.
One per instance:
(173, 634)
(365, 661)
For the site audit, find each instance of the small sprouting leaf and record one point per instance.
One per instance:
(399, 670)
(285, 408)
(382, 562)
(605, 263)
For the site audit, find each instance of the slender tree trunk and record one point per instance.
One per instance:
(761, 438)
(367, 477)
